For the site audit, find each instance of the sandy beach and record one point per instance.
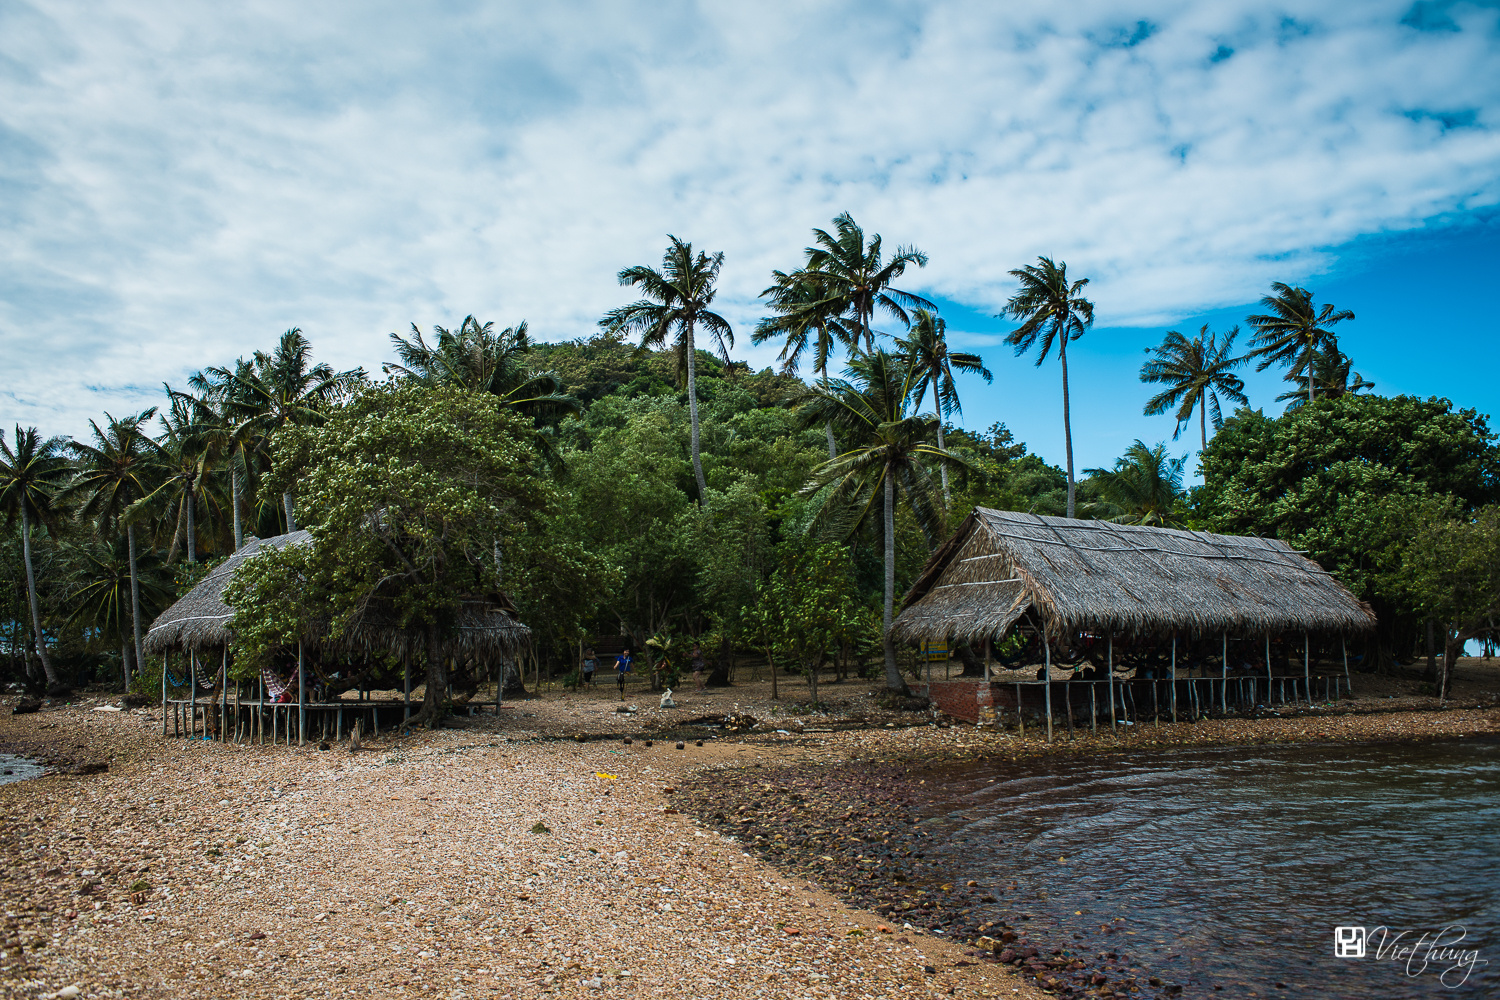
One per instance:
(532, 854)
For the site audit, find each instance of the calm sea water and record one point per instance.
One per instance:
(1232, 867)
(14, 768)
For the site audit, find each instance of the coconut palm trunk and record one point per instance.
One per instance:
(234, 502)
(135, 594)
(53, 681)
(1310, 381)
(692, 391)
(125, 662)
(1062, 356)
(893, 680)
(191, 502)
(1203, 423)
(289, 503)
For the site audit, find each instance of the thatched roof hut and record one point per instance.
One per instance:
(201, 621)
(1072, 575)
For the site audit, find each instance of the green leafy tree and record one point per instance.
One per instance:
(1450, 571)
(409, 492)
(114, 472)
(677, 301)
(1050, 309)
(279, 390)
(1343, 478)
(1144, 487)
(926, 345)
(805, 607)
(890, 461)
(31, 476)
(1196, 373)
(854, 279)
(1333, 374)
(1293, 331)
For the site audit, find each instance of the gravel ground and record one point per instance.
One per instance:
(497, 858)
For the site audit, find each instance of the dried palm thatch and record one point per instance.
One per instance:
(1098, 576)
(201, 620)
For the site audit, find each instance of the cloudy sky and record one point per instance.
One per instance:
(181, 182)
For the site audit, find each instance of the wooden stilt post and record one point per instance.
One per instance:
(1173, 698)
(987, 649)
(406, 687)
(1307, 667)
(1224, 678)
(1269, 681)
(224, 693)
(301, 697)
(1344, 648)
(1068, 704)
(1020, 717)
(1155, 704)
(1111, 657)
(193, 695)
(166, 659)
(1048, 682)
(1093, 710)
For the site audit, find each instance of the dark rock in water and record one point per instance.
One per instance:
(26, 706)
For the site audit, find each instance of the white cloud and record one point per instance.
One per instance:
(178, 184)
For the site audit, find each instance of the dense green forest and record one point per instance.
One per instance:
(640, 483)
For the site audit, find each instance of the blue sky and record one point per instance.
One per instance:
(179, 183)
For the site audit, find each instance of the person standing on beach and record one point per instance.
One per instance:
(589, 665)
(623, 667)
(698, 668)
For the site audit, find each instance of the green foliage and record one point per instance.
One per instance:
(408, 491)
(1144, 487)
(807, 608)
(1450, 572)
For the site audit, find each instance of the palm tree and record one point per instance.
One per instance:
(855, 279)
(805, 317)
(279, 389)
(110, 579)
(1142, 488)
(31, 476)
(889, 462)
(1050, 309)
(1333, 372)
(182, 459)
(676, 303)
(479, 358)
(926, 347)
(1196, 373)
(114, 472)
(1293, 331)
(223, 439)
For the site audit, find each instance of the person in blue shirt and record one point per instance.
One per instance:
(622, 668)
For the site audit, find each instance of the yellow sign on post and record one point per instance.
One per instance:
(935, 652)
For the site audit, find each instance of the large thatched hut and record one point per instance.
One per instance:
(1073, 586)
(200, 626)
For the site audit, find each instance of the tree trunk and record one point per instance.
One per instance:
(234, 502)
(1431, 653)
(135, 596)
(1310, 360)
(1452, 648)
(54, 683)
(1062, 355)
(893, 678)
(290, 503)
(692, 391)
(125, 663)
(1203, 422)
(943, 469)
(191, 502)
(434, 700)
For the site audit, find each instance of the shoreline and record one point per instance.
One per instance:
(429, 844)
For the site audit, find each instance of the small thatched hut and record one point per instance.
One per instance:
(200, 621)
(1083, 590)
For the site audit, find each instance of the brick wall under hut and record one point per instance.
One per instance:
(978, 701)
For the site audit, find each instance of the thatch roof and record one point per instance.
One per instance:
(1096, 575)
(201, 621)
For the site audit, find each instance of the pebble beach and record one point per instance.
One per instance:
(534, 853)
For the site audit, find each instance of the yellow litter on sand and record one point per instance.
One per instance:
(606, 777)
